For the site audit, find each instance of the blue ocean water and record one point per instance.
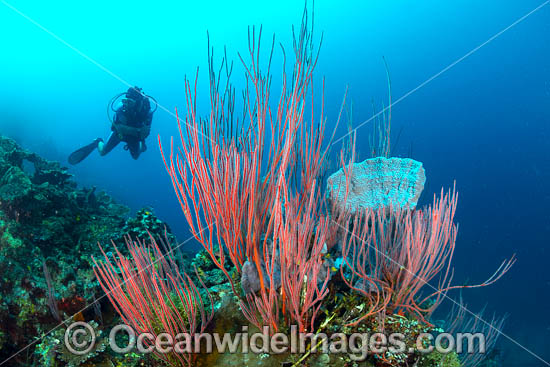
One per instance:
(484, 121)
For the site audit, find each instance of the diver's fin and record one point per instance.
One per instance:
(78, 155)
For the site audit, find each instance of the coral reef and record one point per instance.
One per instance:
(146, 224)
(49, 229)
(255, 204)
(255, 200)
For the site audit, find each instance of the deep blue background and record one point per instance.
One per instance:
(484, 123)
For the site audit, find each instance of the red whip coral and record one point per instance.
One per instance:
(256, 192)
(152, 294)
(394, 253)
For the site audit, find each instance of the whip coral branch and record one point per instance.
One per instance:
(393, 254)
(152, 294)
(256, 196)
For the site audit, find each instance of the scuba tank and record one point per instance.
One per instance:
(132, 95)
(136, 106)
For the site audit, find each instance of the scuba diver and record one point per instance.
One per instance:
(131, 124)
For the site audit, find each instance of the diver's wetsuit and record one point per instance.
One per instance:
(127, 127)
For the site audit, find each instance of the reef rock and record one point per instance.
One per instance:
(378, 182)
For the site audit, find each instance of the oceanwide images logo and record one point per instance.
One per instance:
(80, 339)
